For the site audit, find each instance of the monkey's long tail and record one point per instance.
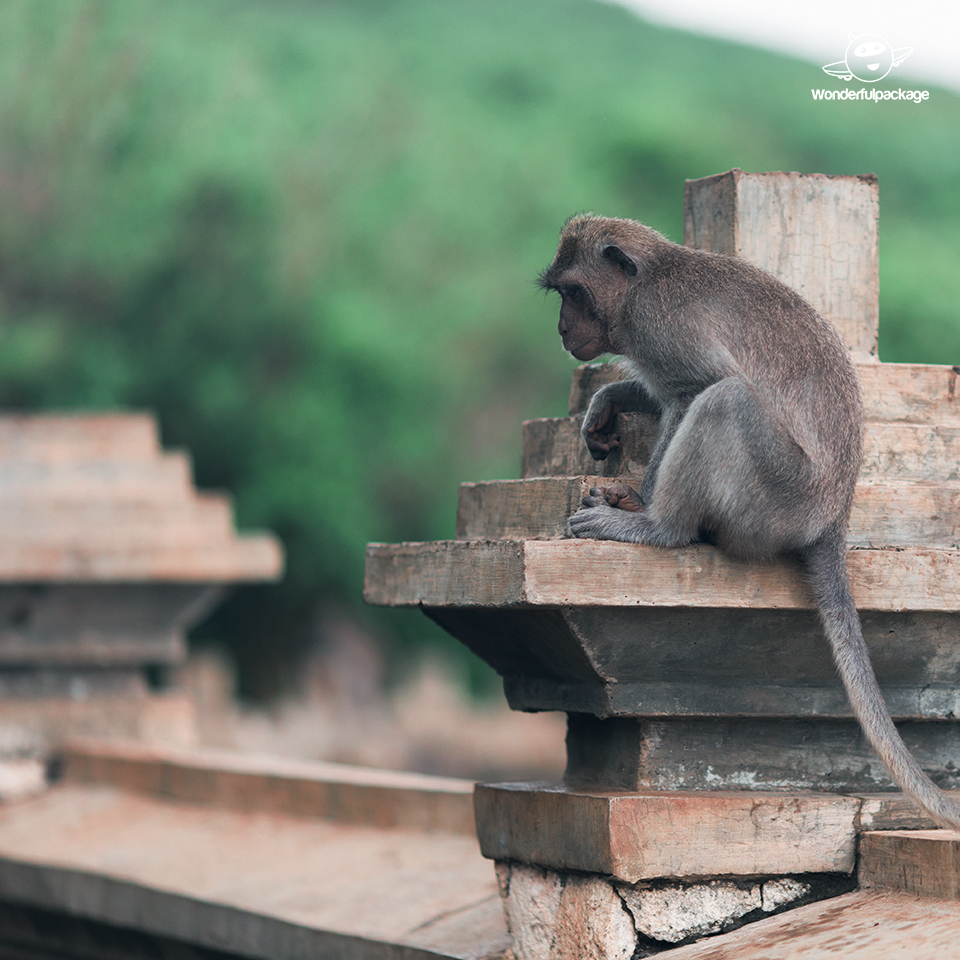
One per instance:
(826, 566)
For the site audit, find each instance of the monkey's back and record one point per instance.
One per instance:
(740, 321)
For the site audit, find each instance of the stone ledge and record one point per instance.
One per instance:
(885, 513)
(892, 450)
(650, 835)
(565, 573)
(865, 925)
(346, 794)
(906, 392)
(250, 884)
(923, 863)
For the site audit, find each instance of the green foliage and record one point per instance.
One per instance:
(306, 235)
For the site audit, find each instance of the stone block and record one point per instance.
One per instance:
(552, 916)
(649, 835)
(816, 233)
(558, 915)
(552, 447)
(338, 792)
(925, 863)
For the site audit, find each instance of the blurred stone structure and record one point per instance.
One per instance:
(107, 556)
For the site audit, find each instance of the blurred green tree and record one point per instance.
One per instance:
(306, 235)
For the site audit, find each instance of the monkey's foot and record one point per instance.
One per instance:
(619, 495)
(597, 520)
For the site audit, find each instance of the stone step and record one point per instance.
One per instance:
(166, 477)
(239, 883)
(206, 518)
(552, 447)
(593, 573)
(73, 437)
(925, 863)
(885, 513)
(864, 925)
(245, 557)
(910, 392)
(652, 834)
(275, 785)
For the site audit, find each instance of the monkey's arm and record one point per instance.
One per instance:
(624, 396)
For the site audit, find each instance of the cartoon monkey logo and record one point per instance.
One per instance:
(869, 58)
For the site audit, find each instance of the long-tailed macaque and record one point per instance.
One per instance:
(760, 434)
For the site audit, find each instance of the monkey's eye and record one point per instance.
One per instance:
(571, 291)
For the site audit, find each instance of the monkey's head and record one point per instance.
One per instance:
(599, 259)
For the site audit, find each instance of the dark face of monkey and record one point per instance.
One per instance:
(583, 334)
(588, 291)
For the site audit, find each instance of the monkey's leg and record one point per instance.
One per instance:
(670, 420)
(730, 468)
(734, 469)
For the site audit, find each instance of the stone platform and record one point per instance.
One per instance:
(206, 855)
(245, 857)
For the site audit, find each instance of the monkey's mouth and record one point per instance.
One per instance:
(588, 350)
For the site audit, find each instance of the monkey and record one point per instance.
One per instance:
(760, 431)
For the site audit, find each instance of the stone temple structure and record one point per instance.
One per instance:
(708, 736)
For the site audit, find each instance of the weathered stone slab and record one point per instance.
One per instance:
(868, 925)
(73, 437)
(254, 884)
(663, 662)
(552, 447)
(910, 392)
(518, 509)
(925, 863)
(640, 836)
(596, 573)
(756, 753)
(892, 811)
(885, 513)
(99, 624)
(99, 522)
(166, 479)
(347, 794)
(906, 392)
(251, 557)
(816, 233)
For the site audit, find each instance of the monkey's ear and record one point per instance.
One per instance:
(624, 262)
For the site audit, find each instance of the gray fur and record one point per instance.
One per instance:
(760, 433)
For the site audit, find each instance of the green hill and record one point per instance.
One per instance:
(306, 234)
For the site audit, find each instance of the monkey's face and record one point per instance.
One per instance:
(583, 334)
